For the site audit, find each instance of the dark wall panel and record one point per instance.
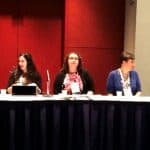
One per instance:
(8, 39)
(96, 30)
(38, 30)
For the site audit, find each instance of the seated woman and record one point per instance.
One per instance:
(24, 74)
(73, 77)
(125, 78)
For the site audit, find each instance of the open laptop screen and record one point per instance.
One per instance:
(23, 90)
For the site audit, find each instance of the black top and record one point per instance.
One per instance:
(88, 84)
(32, 78)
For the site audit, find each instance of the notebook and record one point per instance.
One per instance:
(23, 90)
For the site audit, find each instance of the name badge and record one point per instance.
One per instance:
(75, 87)
(127, 92)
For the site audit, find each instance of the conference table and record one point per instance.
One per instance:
(77, 122)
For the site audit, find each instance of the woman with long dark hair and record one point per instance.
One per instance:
(25, 73)
(73, 77)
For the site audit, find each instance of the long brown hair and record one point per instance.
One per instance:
(65, 67)
(32, 74)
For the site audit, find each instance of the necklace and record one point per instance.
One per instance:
(125, 84)
(124, 80)
(125, 75)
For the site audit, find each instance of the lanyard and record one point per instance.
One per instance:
(125, 83)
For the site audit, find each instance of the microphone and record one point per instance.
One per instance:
(48, 83)
(48, 76)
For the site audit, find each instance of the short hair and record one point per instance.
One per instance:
(126, 55)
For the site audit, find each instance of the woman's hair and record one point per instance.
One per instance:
(125, 56)
(30, 64)
(32, 74)
(65, 67)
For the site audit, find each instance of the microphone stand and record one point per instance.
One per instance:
(48, 88)
(48, 84)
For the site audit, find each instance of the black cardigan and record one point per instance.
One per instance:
(88, 84)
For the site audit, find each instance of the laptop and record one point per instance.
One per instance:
(23, 90)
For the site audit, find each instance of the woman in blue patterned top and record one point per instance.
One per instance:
(125, 78)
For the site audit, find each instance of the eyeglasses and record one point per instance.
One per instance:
(73, 58)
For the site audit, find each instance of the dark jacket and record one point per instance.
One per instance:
(33, 78)
(88, 84)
